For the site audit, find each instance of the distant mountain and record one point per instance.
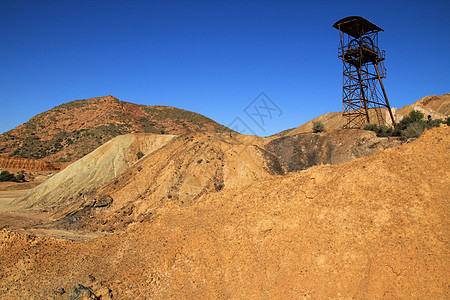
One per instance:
(71, 130)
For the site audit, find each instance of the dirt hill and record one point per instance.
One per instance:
(181, 171)
(71, 130)
(91, 172)
(373, 228)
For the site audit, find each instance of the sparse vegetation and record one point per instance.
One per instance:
(411, 126)
(6, 176)
(139, 155)
(381, 131)
(318, 127)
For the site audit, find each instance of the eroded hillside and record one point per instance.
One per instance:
(105, 190)
(375, 227)
(28, 164)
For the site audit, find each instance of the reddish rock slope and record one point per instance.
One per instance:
(28, 164)
(71, 130)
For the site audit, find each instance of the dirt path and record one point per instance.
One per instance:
(32, 222)
(17, 220)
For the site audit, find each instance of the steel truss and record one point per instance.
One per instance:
(363, 95)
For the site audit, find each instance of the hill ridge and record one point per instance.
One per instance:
(71, 130)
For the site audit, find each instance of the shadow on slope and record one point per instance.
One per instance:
(304, 150)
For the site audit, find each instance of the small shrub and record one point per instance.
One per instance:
(6, 176)
(435, 123)
(382, 131)
(414, 130)
(20, 177)
(139, 155)
(411, 126)
(371, 127)
(416, 115)
(318, 127)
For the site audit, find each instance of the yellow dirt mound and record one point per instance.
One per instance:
(373, 228)
(191, 166)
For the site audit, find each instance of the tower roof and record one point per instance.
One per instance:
(356, 26)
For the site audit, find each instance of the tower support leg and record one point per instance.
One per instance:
(384, 94)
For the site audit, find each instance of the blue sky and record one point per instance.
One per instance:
(211, 57)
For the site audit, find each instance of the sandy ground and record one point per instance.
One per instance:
(372, 228)
(30, 222)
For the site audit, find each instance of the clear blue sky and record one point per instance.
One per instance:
(211, 57)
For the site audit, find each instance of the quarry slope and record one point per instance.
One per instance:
(304, 150)
(28, 164)
(92, 171)
(373, 228)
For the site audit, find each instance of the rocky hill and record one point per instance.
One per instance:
(71, 130)
(372, 228)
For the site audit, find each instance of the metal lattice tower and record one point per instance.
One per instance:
(362, 100)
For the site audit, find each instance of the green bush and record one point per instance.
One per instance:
(382, 131)
(139, 155)
(414, 130)
(6, 176)
(318, 126)
(416, 115)
(411, 126)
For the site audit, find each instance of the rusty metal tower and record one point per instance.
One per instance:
(362, 100)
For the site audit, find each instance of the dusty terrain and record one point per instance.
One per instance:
(373, 227)
(110, 188)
